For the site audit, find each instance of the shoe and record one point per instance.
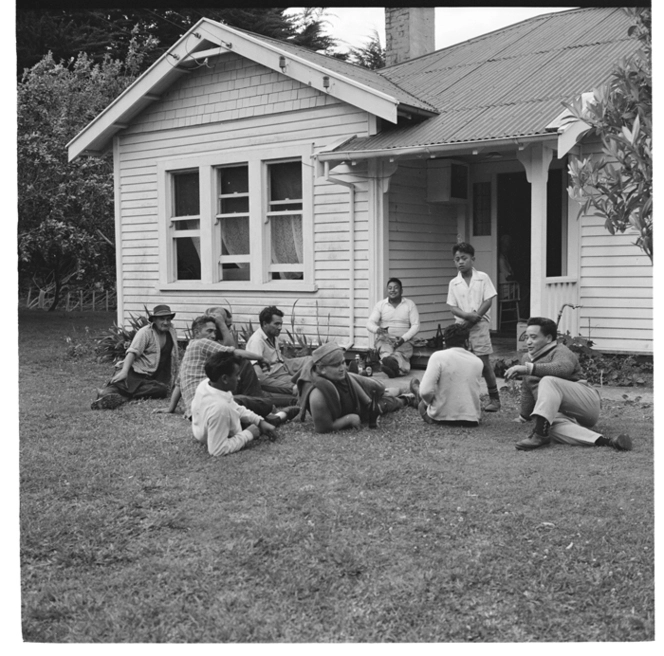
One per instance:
(390, 366)
(493, 406)
(107, 402)
(534, 441)
(415, 389)
(410, 399)
(291, 411)
(621, 443)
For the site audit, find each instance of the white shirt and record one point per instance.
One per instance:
(215, 420)
(469, 297)
(453, 377)
(260, 343)
(402, 320)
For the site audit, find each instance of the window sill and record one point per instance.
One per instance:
(555, 280)
(239, 286)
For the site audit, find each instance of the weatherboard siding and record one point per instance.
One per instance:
(421, 236)
(615, 285)
(236, 106)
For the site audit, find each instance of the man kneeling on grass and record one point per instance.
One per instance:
(556, 395)
(339, 399)
(450, 388)
(216, 419)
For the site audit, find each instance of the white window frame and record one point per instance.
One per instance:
(257, 158)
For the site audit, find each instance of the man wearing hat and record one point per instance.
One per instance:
(339, 399)
(149, 367)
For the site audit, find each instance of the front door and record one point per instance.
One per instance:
(513, 212)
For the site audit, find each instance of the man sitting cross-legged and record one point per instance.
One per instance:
(216, 419)
(277, 377)
(556, 395)
(192, 371)
(338, 399)
(450, 387)
(149, 365)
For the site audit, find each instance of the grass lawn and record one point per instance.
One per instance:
(131, 532)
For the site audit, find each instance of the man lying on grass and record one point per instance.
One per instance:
(450, 388)
(150, 364)
(203, 344)
(216, 419)
(556, 395)
(339, 399)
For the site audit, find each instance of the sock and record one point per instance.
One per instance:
(602, 441)
(493, 393)
(281, 414)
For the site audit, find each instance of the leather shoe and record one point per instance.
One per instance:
(534, 441)
(390, 366)
(622, 442)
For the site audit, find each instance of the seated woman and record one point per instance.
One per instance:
(338, 399)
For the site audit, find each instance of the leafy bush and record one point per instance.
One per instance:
(112, 347)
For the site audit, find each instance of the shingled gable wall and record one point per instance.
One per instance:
(233, 106)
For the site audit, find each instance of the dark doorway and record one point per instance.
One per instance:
(514, 220)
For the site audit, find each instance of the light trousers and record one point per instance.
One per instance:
(571, 408)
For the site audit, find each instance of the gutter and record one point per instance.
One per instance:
(351, 248)
(429, 151)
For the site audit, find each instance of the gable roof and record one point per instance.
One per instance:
(352, 84)
(508, 84)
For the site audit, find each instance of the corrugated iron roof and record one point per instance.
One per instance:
(509, 83)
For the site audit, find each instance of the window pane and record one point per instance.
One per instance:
(234, 180)
(235, 236)
(189, 224)
(555, 225)
(188, 258)
(186, 194)
(481, 209)
(235, 271)
(234, 205)
(286, 239)
(285, 181)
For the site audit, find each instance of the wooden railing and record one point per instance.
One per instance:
(559, 292)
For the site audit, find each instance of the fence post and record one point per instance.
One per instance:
(29, 291)
(40, 303)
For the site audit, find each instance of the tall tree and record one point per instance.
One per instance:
(618, 185)
(65, 209)
(99, 32)
(370, 55)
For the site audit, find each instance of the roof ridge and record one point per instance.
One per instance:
(486, 35)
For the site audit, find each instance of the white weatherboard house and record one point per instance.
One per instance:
(256, 172)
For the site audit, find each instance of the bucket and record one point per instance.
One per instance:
(521, 336)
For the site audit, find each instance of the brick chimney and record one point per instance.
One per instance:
(409, 33)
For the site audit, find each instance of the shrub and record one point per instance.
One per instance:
(112, 346)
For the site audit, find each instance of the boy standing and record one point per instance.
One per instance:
(469, 298)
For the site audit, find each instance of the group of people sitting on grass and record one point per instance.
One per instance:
(232, 395)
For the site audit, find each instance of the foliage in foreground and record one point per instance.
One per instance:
(130, 532)
(618, 186)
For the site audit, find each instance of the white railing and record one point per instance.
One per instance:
(559, 292)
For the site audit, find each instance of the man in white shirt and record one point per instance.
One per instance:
(395, 321)
(275, 372)
(450, 387)
(217, 420)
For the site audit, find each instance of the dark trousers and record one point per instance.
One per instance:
(136, 386)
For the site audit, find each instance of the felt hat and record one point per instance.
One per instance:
(325, 354)
(161, 311)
